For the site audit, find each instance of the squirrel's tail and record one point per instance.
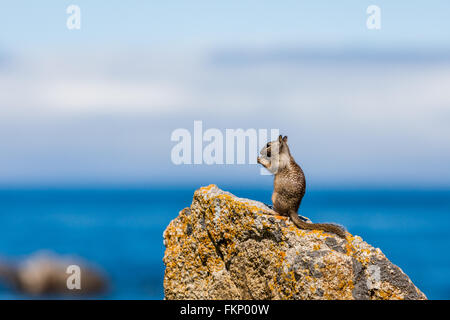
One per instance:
(327, 227)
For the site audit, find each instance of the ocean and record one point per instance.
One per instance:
(120, 230)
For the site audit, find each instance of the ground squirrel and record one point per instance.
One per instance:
(289, 185)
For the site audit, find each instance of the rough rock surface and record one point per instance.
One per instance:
(224, 247)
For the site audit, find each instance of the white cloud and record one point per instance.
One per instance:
(357, 114)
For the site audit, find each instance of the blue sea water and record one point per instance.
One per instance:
(120, 230)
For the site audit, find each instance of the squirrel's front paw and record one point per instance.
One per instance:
(262, 160)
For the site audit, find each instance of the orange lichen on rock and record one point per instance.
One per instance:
(225, 247)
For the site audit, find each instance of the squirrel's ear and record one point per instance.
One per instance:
(285, 139)
(280, 138)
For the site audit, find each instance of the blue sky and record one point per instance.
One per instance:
(98, 105)
(191, 23)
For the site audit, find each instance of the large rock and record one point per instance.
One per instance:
(224, 247)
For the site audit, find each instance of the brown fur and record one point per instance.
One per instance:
(289, 185)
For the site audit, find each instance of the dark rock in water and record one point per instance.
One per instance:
(224, 247)
(45, 273)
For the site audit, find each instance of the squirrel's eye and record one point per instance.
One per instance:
(268, 145)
